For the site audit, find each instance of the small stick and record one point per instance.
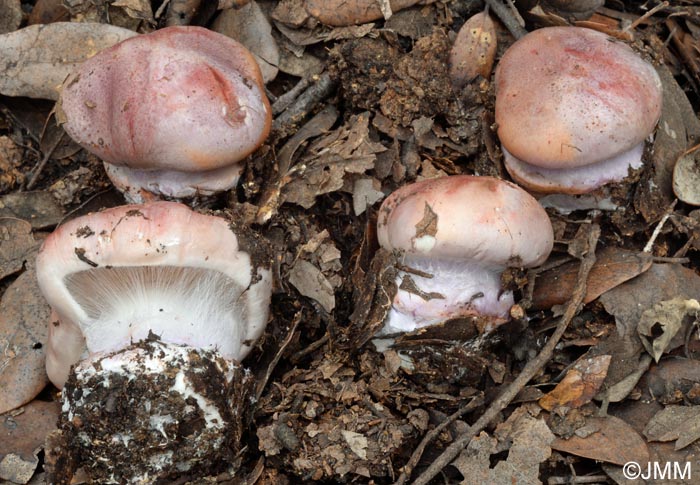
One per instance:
(262, 383)
(161, 9)
(295, 358)
(304, 104)
(285, 100)
(530, 370)
(431, 435)
(506, 16)
(650, 244)
(574, 480)
(44, 161)
(645, 16)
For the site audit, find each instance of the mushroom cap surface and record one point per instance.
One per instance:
(180, 98)
(115, 276)
(571, 96)
(462, 217)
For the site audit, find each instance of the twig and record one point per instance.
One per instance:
(43, 162)
(529, 371)
(262, 383)
(674, 260)
(506, 15)
(288, 98)
(657, 229)
(645, 16)
(304, 104)
(313, 346)
(431, 435)
(161, 9)
(574, 480)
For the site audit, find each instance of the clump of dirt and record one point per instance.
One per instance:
(178, 406)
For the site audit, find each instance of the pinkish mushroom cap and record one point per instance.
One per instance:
(115, 276)
(181, 99)
(463, 231)
(573, 98)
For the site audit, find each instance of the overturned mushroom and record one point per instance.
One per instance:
(573, 108)
(170, 113)
(456, 235)
(155, 306)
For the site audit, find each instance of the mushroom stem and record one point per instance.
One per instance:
(435, 290)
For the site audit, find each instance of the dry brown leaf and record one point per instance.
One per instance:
(38, 208)
(530, 447)
(613, 267)
(473, 51)
(365, 193)
(347, 150)
(138, 9)
(37, 59)
(47, 12)
(628, 301)
(681, 423)
(660, 324)
(671, 378)
(580, 384)
(10, 15)
(613, 441)
(311, 283)
(249, 26)
(24, 321)
(676, 132)
(686, 177)
(16, 245)
(23, 436)
(339, 13)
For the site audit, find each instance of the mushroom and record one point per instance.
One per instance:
(456, 235)
(573, 108)
(172, 112)
(155, 305)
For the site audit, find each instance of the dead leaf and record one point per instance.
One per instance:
(323, 167)
(38, 208)
(338, 13)
(312, 283)
(686, 177)
(11, 173)
(672, 378)
(16, 245)
(613, 267)
(10, 15)
(365, 193)
(660, 324)
(473, 51)
(427, 226)
(138, 9)
(675, 423)
(48, 12)
(628, 301)
(413, 23)
(37, 59)
(614, 442)
(677, 127)
(357, 443)
(580, 384)
(249, 26)
(23, 437)
(530, 446)
(24, 321)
